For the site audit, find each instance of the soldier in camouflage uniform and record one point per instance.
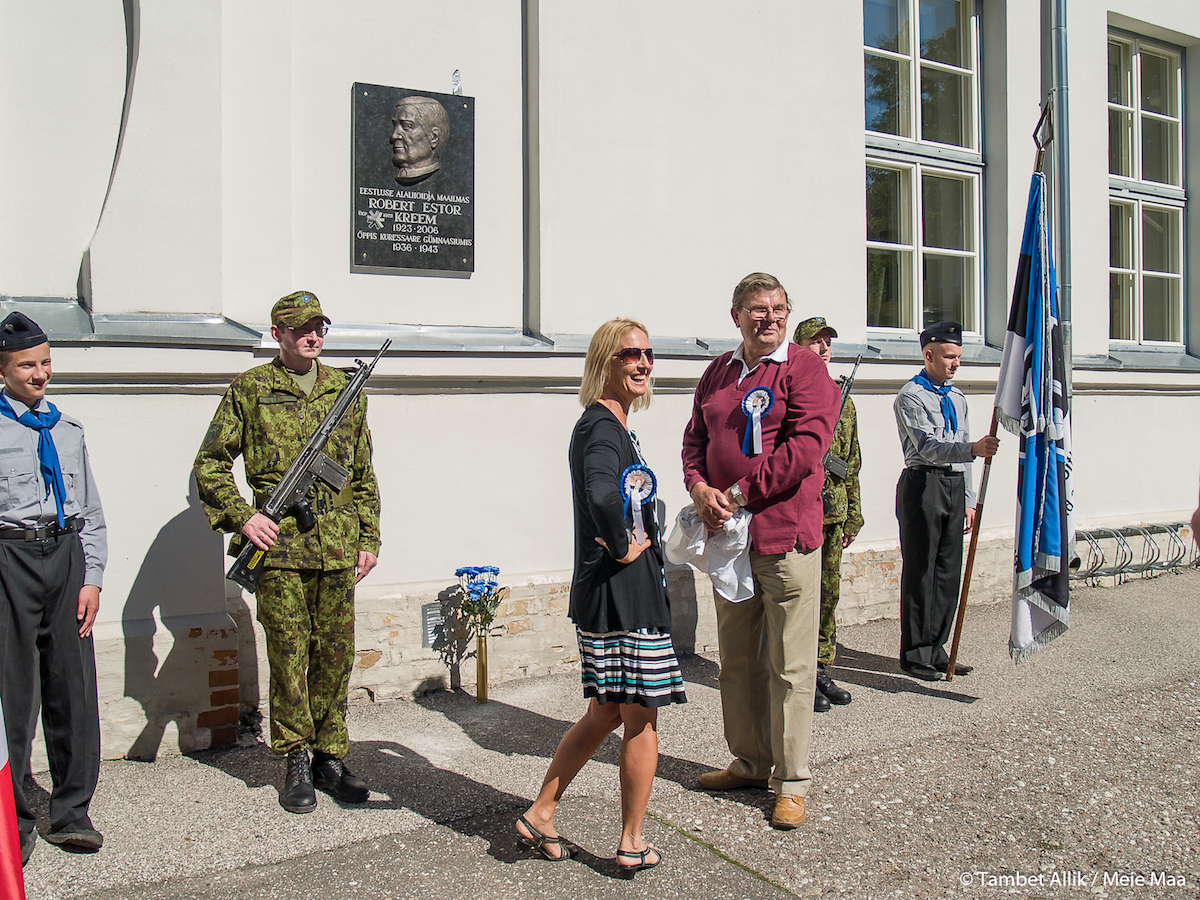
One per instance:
(843, 517)
(306, 592)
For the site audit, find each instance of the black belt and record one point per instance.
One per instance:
(945, 470)
(42, 532)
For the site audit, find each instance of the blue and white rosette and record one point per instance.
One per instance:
(638, 488)
(756, 404)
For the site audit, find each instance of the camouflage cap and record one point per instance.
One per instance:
(810, 328)
(19, 332)
(296, 309)
(942, 333)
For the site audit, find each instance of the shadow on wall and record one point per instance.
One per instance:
(176, 610)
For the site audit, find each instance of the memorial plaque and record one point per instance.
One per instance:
(413, 209)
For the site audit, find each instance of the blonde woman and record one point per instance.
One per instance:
(618, 599)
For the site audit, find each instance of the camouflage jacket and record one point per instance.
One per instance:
(264, 418)
(845, 503)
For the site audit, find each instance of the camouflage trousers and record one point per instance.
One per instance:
(308, 617)
(831, 591)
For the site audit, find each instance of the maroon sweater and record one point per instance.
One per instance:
(782, 485)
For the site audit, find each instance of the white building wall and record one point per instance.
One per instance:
(678, 148)
(681, 150)
(62, 81)
(158, 245)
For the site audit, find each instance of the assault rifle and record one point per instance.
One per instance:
(835, 465)
(290, 496)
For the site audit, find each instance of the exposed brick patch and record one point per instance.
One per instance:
(367, 658)
(226, 715)
(225, 657)
(224, 735)
(222, 677)
(223, 698)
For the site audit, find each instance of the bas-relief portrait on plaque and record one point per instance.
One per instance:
(413, 209)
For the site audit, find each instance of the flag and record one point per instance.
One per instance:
(12, 880)
(1031, 402)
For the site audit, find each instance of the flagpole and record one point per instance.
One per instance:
(966, 585)
(1043, 134)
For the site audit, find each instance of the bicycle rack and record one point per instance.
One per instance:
(1162, 549)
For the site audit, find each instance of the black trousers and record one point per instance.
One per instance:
(931, 508)
(41, 650)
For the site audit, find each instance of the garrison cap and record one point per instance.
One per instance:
(296, 309)
(942, 333)
(19, 332)
(810, 328)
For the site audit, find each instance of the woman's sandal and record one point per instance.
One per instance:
(640, 856)
(541, 843)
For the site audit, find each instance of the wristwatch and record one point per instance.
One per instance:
(736, 493)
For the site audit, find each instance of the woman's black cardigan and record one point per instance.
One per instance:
(607, 596)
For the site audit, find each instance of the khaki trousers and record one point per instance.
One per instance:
(768, 650)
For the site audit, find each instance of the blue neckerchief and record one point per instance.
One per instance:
(42, 422)
(951, 419)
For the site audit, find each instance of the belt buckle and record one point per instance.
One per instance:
(31, 534)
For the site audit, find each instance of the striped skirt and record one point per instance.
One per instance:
(631, 667)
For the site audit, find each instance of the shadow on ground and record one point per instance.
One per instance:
(514, 731)
(407, 780)
(882, 673)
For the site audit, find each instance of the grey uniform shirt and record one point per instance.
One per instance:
(23, 499)
(923, 432)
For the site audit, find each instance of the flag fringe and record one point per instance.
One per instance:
(1043, 565)
(1034, 597)
(1009, 423)
(1040, 640)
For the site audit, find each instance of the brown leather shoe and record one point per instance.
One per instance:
(724, 780)
(789, 812)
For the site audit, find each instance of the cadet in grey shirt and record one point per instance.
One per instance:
(934, 501)
(53, 549)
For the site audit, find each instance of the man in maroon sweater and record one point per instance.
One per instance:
(762, 420)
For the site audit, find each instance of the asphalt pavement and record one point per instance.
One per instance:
(1075, 774)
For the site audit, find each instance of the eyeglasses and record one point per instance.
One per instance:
(633, 354)
(758, 313)
(301, 330)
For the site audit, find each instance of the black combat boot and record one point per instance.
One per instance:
(820, 701)
(331, 775)
(825, 685)
(298, 795)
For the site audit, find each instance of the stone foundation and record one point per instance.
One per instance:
(184, 684)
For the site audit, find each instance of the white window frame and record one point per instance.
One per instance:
(917, 157)
(1139, 194)
(917, 249)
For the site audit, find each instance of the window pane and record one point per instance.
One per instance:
(1159, 154)
(1120, 307)
(1118, 73)
(946, 289)
(943, 117)
(1120, 143)
(1160, 309)
(945, 213)
(1120, 236)
(888, 283)
(887, 205)
(942, 33)
(1156, 84)
(885, 25)
(887, 95)
(1160, 240)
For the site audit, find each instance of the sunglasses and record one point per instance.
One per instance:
(633, 354)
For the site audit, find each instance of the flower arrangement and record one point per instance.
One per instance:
(470, 608)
